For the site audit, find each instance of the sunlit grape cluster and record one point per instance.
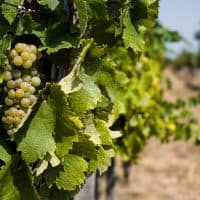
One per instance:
(21, 80)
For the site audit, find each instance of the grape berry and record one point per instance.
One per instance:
(21, 79)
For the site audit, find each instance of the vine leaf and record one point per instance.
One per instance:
(4, 152)
(86, 98)
(131, 37)
(82, 8)
(51, 4)
(67, 124)
(10, 12)
(72, 82)
(71, 174)
(102, 161)
(145, 12)
(38, 140)
(15, 181)
(98, 10)
(5, 43)
(105, 133)
(91, 131)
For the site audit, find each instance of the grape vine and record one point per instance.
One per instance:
(79, 79)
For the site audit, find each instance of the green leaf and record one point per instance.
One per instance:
(145, 12)
(104, 132)
(26, 25)
(84, 148)
(56, 36)
(71, 174)
(64, 144)
(67, 124)
(38, 131)
(91, 131)
(15, 181)
(102, 161)
(72, 82)
(131, 37)
(82, 8)
(10, 12)
(5, 43)
(51, 4)
(98, 10)
(86, 98)
(4, 152)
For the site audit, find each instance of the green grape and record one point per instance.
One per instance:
(11, 84)
(16, 120)
(8, 67)
(26, 94)
(27, 49)
(9, 120)
(34, 72)
(11, 94)
(33, 99)
(19, 93)
(25, 102)
(33, 49)
(3, 119)
(8, 101)
(13, 53)
(35, 81)
(32, 90)
(19, 47)
(18, 82)
(16, 73)
(21, 114)
(26, 78)
(7, 76)
(5, 89)
(28, 64)
(33, 57)
(25, 55)
(17, 61)
(25, 86)
(6, 112)
(12, 112)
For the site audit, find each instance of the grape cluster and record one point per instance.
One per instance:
(21, 79)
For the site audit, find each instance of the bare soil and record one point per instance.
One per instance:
(167, 171)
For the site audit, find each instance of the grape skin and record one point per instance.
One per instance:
(13, 53)
(19, 47)
(26, 78)
(33, 57)
(25, 102)
(25, 55)
(17, 61)
(35, 81)
(11, 94)
(12, 111)
(7, 76)
(34, 72)
(16, 73)
(18, 82)
(11, 84)
(27, 64)
(19, 93)
(8, 101)
(25, 86)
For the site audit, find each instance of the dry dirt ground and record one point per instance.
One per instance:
(167, 171)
